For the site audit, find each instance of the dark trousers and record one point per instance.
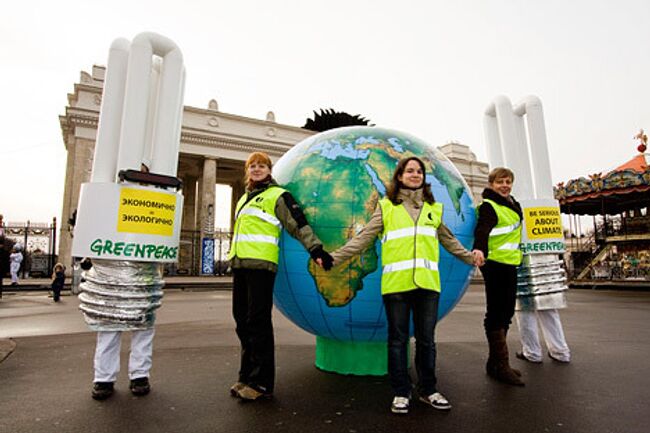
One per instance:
(252, 302)
(424, 305)
(500, 294)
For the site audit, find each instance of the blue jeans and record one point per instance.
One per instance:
(424, 305)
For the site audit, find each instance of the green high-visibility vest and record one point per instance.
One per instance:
(505, 237)
(257, 229)
(409, 251)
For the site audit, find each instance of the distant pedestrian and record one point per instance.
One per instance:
(15, 259)
(2, 226)
(58, 279)
(4, 261)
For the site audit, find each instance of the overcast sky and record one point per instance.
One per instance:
(425, 67)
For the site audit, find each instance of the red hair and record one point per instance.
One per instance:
(259, 158)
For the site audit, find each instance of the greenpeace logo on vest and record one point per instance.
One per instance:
(132, 249)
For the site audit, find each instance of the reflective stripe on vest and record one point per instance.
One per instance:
(263, 215)
(257, 229)
(505, 237)
(409, 251)
(256, 238)
(408, 264)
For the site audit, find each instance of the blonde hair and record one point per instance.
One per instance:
(499, 172)
(256, 157)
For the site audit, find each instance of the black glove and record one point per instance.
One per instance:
(320, 253)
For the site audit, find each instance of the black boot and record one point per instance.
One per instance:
(102, 390)
(140, 386)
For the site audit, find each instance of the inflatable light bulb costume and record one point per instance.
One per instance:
(129, 214)
(541, 281)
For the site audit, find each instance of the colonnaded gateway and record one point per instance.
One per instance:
(214, 146)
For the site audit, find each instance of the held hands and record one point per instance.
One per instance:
(479, 258)
(322, 257)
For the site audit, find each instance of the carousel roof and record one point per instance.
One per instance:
(624, 188)
(639, 164)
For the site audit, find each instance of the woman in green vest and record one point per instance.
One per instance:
(409, 224)
(261, 213)
(497, 236)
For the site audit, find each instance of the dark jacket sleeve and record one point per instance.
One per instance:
(487, 219)
(294, 221)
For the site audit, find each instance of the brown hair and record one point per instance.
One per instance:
(256, 157)
(499, 172)
(395, 184)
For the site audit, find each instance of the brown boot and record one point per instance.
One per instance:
(516, 371)
(498, 366)
(492, 362)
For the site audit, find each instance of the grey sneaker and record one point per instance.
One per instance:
(437, 400)
(400, 405)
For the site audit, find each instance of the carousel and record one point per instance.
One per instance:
(616, 251)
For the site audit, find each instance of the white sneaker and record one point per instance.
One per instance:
(400, 405)
(437, 400)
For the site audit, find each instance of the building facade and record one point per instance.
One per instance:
(474, 172)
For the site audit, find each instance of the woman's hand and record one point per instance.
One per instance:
(479, 258)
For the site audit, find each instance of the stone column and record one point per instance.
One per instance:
(206, 215)
(189, 203)
(78, 168)
(238, 189)
(188, 251)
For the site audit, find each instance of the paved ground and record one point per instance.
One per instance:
(175, 282)
(45, 383)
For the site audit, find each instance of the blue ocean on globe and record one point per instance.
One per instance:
(338, 176)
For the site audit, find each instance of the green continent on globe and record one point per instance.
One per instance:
(336, 292)
(338, 205)
(453, 185)
(338, 183)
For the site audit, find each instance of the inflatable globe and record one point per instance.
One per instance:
(338, 176)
